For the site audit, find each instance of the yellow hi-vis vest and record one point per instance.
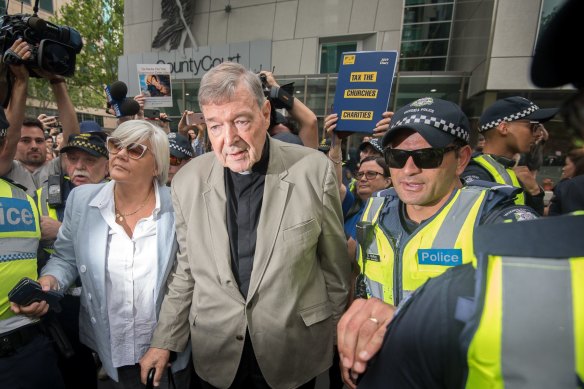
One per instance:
(527, 329)
(394, 269)
(46, 210)
(43, 203)
(20, 233)
(501, 174)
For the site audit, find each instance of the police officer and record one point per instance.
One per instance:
(510, 127)
(86, 162)
(27, 357)
(512, 319)
(181, 152)
(424, 224)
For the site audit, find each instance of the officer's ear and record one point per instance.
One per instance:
(463, 156)
(503, 128)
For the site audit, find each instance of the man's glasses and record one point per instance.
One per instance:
(533, 125)
(429, 158)
(369, 175)
(134, 150)
(175, 161)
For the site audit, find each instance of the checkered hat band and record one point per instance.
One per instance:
(187, 152)
(509, 118)
(441, 124)
(89, 146)
(3, 132)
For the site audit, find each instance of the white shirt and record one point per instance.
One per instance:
(131, 274)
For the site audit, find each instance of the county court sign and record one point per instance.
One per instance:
(194, 63)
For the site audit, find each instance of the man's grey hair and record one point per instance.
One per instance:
(137, 131)
(219, 84)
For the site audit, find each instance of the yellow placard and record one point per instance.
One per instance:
(360, 93)
(349, 59)
(357, 115)
(363, 77)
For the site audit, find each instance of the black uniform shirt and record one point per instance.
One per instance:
(424, 349)
(244, 193)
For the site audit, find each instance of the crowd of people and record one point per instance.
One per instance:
(233, 254)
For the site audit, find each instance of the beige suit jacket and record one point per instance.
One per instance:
(299, 283)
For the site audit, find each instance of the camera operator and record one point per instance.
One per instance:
(30, 168)
(15, 111)
(307, 123)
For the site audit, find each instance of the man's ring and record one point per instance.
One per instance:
(374, 320)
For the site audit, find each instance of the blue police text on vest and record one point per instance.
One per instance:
(16, 215)
(441, 257)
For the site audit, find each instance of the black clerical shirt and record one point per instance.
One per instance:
(245, 192)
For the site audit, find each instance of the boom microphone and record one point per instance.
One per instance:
(118, 90)
(117, 100)
(129, 107)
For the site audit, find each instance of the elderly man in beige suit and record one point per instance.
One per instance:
(262, 274)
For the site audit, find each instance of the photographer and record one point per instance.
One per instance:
(306, 119)
(28, 168)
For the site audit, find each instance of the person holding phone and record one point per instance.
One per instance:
(192, 125)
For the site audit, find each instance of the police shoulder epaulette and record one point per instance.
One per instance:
(16, 184)
(385, 193)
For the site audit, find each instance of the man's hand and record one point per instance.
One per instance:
(49, 227)
(330, 123)
(154, 358)
(383, 125)
(269, 78)
(47, 121)
(527, 178)
(360, 335)
(183, 127)
(141, 99)
(40, 308)
(542, 135)
(19, 51)
(48, 75)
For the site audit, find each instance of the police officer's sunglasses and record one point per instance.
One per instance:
(429, 158)
(533, 125)
(134, 150)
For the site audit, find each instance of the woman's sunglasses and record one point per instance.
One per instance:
(429, 158)
(134, 150)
